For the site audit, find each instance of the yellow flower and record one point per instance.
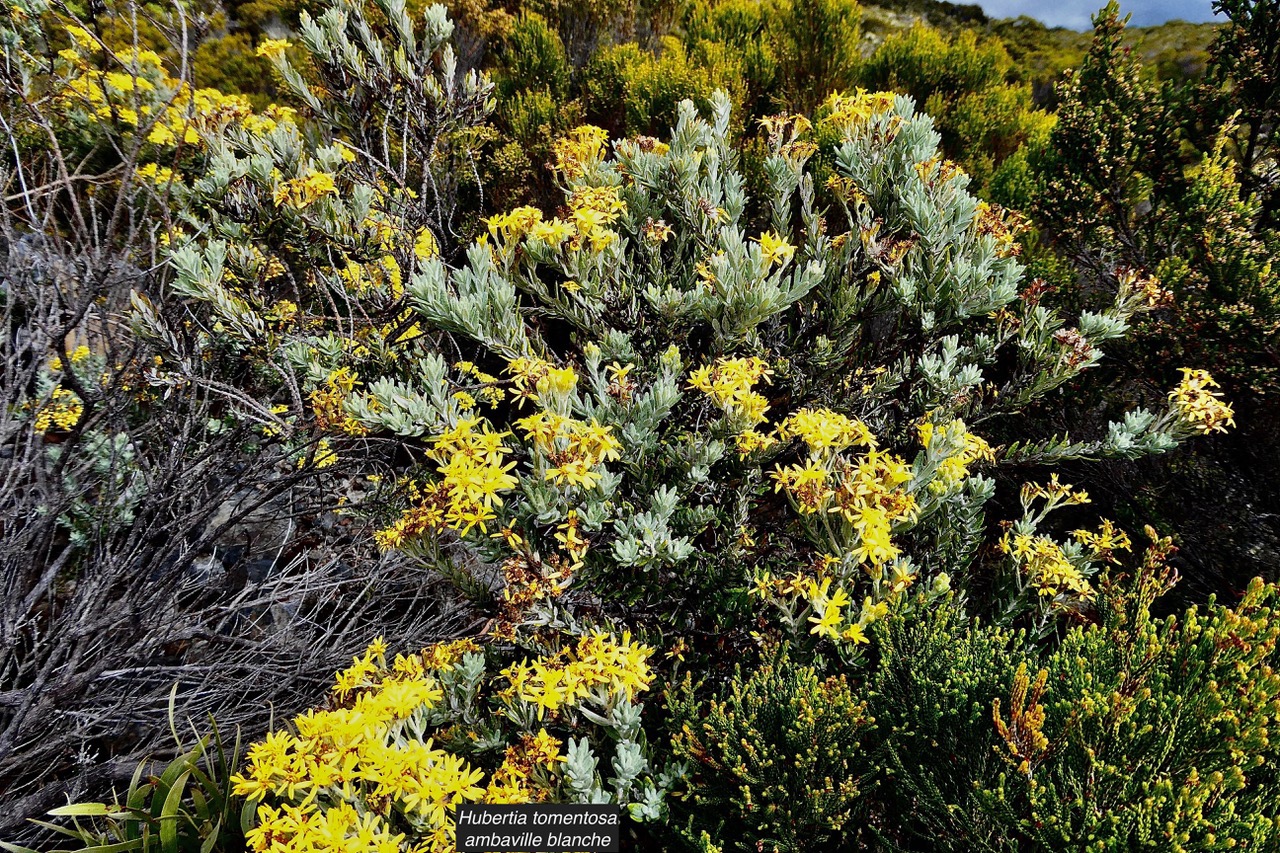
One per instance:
(425, 245)
(63, 411)
(1198, 406)
(578, 151)
(775, 249)
(272, 48)
(305, 190)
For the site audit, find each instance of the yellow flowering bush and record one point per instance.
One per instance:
(403, 741)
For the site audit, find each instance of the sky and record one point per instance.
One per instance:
(1075, 14)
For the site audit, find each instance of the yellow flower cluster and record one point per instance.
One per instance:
(324, 455)
(513, 225)
(521, 765)
(596, 663)
(79, 355)
(828, 601)
(864, 494)
(831, 619)
(1198, 406)
(1055, 493)
(954, 468)
(63, 411)
(337, 782)
(577, 152)
(825, 430)
(1105, 542)
(729, 382)
(591, 211)
(304, 190)
(471, 460)
(328, 403)
(144, 96)
(535, 378)
(1001, 225)
(848, 110)
(272, 48)
(1045, 565)
(574, 448)
(490, 391)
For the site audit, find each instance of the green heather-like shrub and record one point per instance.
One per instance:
(961, 736)
(776, 760)
(1114, 191)
(1147, 733)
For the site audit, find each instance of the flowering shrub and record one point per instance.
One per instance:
(403, 742)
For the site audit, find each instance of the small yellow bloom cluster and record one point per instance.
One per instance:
(656, 231)
(304, 190)
(143, 95)
(324, 455)
(784, 136)
(521, 765)
(864, 494)
(1148, 288)
(1198, 406)
(572, 542)
(827, 600)
(579, 151)
(1045, 565)
(831, 620)
(159, 175)
(939, 170)
(327, 402)
(513, 225)
(729, 382)
(1055, 493)
(272, 48)
(574, 448)
(445, 656)
(490, 391)
(848, 110)
(597, 662)
(825, 430)
(1105, 542)
(592, 211)
(63, 411)
(775, 249)
(425, 245)
(79, 355)
(471, 460)
(347, 770)
(535, 378)
(954, 468)
(1001, 225)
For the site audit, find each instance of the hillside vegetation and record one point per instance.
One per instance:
(804, 425)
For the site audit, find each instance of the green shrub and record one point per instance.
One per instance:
(1148, 733)
(985, 118)
(775, 759)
